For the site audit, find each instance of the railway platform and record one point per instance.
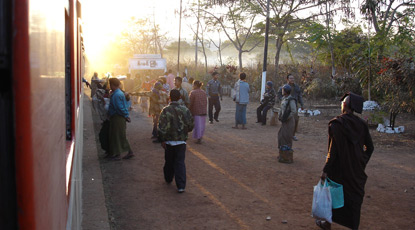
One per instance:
(94, 210)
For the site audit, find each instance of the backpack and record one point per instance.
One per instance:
(287, 110)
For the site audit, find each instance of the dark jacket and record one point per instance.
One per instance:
(175, 122)
(269, 97)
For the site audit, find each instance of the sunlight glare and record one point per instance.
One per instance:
(104, 20)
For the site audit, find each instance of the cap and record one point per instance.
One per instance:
(287, 88)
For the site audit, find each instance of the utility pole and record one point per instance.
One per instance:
(180, 30)
(264, 67)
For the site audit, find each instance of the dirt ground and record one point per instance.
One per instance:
(234, 180)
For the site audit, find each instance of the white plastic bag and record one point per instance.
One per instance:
(322, 202)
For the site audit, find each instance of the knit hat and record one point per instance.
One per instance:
(287, 88)
(270, 84)
(355, 103)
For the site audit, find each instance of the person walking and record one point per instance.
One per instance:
(198, 108)
(174, 124)
(119, 115)
(184, 96)
(241, 99)
(266, 104)
(297, 95)
(286, 116)
(214, 92)
(350, 147)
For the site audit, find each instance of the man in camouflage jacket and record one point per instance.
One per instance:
(266, 104)
(174, 123)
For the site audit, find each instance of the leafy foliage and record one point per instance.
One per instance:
(396, 81)
(321, 88)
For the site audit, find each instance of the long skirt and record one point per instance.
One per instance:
(285, 135)
(118, 142)
(240, 114)
(199, 128)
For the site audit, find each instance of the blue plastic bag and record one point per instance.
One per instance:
(336, 192)
(322, 202)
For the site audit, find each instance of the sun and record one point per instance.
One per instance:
(104, 20)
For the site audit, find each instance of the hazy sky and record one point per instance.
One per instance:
(104, 19)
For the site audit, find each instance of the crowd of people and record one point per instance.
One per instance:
(179, 106)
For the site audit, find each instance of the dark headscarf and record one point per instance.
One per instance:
(355, 102)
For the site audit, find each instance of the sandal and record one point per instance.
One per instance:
(114, 158)
(128, 156)
(323, 224)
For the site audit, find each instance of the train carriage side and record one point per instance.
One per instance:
(41, 65)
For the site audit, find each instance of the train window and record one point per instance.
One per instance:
(68, 86)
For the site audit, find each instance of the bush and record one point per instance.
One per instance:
(377, 117)
(348, 84)
(319, 89)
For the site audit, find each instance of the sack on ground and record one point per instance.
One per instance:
(321, 208)
(286, 156)
(336, 192)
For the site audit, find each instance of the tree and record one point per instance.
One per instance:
(199, 33)
(142, 37)
(220, 46)
(328, 22)
(284, 17)
(405, 36)
(237, 23)
(385, 15)
(396, 82)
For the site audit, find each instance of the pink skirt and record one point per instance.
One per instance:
(199, 129)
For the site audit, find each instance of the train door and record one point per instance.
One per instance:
(8, 203)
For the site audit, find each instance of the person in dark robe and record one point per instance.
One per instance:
(349, 150)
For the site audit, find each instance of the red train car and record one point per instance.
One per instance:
(41, 116)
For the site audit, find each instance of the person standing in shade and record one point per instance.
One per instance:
(214, 92)
(184, 96)
(174, 124)
(286, 116)
(198, 107)
(241, 99)
(119, 115)
(266, 103)
(350, 149)
(297, 95)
